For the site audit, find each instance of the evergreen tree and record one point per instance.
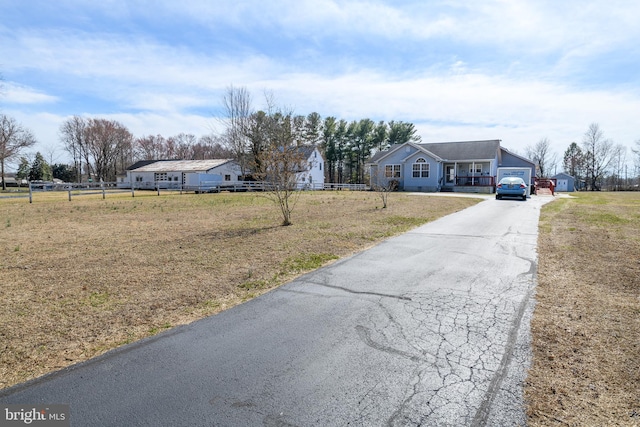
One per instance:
(40, 169)
(23, 169)
(63, 172)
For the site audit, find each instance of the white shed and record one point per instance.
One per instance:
(564, 182)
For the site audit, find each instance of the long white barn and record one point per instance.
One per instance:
(149, 175)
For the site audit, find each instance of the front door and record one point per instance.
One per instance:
(450, 174)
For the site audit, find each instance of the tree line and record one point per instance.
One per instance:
(596, 163)
(101, 149)
(345, 145)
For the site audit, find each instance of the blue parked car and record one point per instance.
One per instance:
(511, 186)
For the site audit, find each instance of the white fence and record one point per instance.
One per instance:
(106, 188)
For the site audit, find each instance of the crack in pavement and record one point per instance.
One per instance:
(455, 340)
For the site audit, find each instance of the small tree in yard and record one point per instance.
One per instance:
(281, 162)
(383, 184)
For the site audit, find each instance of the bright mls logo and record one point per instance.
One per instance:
(35, 415)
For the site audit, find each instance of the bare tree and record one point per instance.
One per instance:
(282, 161)
(106, 140)
(72, 135)
(150, 147)
(541, 155)
(382, 184)
(598, 151)
(210, 147)
(636, 159)
(237, 109)
(14, 138)
(180, 146)
(618, 164)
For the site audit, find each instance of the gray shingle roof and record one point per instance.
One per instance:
(464, 150)
(454, 151)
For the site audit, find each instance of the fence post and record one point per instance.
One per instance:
(30, 193)
(69, 194)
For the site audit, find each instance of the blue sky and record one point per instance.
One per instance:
(513, 70)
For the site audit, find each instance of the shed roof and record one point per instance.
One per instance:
(180, 165)
(563, 175)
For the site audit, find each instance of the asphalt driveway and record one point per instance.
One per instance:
(427, 328)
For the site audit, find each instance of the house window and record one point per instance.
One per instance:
(478, 168)
(421, 168)
(138, 179)
(392, 171)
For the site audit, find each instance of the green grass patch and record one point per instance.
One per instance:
(403, 222)
(604, 218)
(97, 299)
(160, 328)
(306, 262)
(256, 284)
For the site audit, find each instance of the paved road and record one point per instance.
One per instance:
(428, 328)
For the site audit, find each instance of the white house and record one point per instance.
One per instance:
(152, 174)
(313, 177)
(464, 166)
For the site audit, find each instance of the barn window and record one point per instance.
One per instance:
(227, 177)
(161, 176)
(421, 168)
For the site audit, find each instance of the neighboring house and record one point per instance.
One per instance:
(313, 177)
(152, 174)
(11, 181)
(464, 166)
(564, 182)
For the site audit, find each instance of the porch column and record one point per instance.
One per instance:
(455, 174)
(473, 173)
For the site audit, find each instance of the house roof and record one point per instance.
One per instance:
(380, 154)
(451, 151)
(464, 150)
(178, 165)
(307, 150)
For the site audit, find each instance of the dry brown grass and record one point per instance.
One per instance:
(79, 278)
(586, 324)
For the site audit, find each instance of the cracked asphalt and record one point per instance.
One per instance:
(427, 328)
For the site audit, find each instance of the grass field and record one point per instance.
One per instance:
(586, 325)
(79, 278)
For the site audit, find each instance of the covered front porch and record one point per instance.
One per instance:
(469, 177)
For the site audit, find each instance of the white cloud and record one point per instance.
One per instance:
(19, 94)
(168, 88)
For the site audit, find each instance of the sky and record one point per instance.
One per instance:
(514, 70)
